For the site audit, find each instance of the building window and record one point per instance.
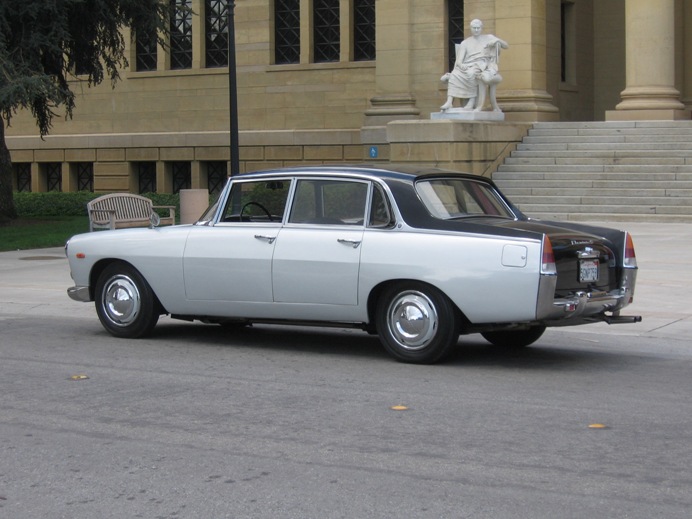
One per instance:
(455, 28)
(181, 175)
(568, 71)
(22, 174)
(146, 58)
(84, 172)
(286, 31)
(53, 176)
(364, 30)
(217, 174)
(327, 32)
(181, 34)
(216, 33)
(146, 177)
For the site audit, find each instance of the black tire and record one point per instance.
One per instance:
(514, 338)
(125, 303)
(416, 323)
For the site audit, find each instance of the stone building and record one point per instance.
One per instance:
(324, 81)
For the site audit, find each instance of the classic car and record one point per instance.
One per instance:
(415, 255)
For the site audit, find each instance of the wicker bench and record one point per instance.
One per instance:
(121, 210)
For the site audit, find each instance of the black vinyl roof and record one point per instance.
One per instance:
(404, 172)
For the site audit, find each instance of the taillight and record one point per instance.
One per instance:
(630, 259)
(547, 257)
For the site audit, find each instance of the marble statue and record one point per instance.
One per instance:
(475, 70)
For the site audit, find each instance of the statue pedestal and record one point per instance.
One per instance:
(459, 114)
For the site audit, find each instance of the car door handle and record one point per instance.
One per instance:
(269, 239)
(352, 243)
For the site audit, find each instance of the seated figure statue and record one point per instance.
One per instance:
(475, 70)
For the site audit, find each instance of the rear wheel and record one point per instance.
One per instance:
(416, 323)
(514, 338)
(125, 303)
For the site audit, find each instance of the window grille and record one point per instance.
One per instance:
(181, 34)
(85, 176)
(364, 30)
(217, 173)
(146, 177)
(22, 173)
(286, 31)
(146, 51)
(216, 33)
(181, 174)
(455, 20)
(53, 176)
(326, 30)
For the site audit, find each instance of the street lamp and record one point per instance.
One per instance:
(232, 90)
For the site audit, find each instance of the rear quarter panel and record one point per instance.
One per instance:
(483, 275)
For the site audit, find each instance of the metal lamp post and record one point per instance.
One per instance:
(232, 91)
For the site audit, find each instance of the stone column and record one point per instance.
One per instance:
(394, 99)
(687, 55)
(650, 92)
(523, 94)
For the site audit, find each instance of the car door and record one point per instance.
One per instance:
(232, 260)
(317, 254)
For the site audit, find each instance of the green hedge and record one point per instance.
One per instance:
(73, 204)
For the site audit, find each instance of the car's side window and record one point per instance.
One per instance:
(380, 210)
(329, 202)
(263, 201)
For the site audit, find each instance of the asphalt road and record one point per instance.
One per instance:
(280, 422)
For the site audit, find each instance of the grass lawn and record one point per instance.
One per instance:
(37, 233)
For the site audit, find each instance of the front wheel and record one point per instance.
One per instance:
(514, 338)
(416, 323)
(125, 303)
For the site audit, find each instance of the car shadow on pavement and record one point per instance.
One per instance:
(332, 341)
(472, 350)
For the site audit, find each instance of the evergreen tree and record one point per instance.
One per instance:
(43, 42)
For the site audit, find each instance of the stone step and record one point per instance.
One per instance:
(514, 192)
(589, 175)
(600, 145)
(645, 154)
(589, 160)
(618, 169)
(605, 132)
(592, 200)
(610, 139)
(644, 188)
(613, 124)
(606, 209)
(622, 217)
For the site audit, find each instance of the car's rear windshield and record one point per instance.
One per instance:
(450, 198)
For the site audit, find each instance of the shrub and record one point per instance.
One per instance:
(52, 203)
(55, 203)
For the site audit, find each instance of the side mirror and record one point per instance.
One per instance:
(154, 220)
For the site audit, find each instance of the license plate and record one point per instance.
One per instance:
(588, 271)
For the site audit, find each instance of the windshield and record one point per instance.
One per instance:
(451, 198)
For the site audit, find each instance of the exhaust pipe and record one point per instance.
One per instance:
(615, 319)
(619, 319)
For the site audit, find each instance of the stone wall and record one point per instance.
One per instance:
(471, 147)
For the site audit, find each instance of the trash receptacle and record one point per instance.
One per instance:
(193, 203)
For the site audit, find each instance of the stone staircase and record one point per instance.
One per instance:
(602, 171)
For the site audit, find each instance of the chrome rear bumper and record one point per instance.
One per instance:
(584, 303)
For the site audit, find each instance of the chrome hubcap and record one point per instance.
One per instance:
(412, 320)
(121, 300)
